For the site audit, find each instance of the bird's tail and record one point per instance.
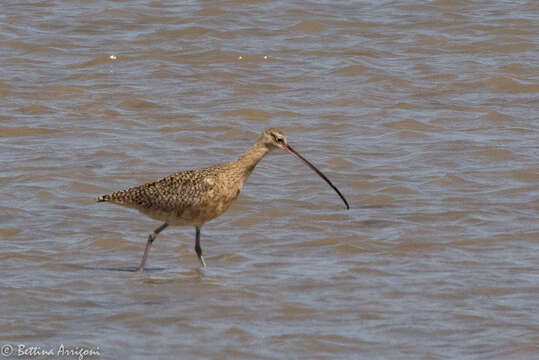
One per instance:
(103, 198)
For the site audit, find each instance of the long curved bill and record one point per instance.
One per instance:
(288, 149)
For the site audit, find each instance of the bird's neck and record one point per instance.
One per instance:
(248, 160)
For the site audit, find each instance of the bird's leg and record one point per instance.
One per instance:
(151, 238)
(198, 249)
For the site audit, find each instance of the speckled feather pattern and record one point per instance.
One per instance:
(186, 197)
(192, 197)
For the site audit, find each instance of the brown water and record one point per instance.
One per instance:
(424, 114)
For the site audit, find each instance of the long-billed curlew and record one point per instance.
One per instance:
(194, 197)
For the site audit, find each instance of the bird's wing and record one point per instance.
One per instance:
(176, 192)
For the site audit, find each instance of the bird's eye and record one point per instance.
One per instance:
(279, 140)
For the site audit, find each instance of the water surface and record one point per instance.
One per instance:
(424, 114)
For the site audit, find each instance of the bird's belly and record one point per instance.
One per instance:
(191, 215)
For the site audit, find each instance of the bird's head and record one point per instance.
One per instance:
(273, 139)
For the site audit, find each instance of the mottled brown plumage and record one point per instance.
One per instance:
(194, 197)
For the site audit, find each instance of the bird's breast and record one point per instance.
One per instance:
(212, 203)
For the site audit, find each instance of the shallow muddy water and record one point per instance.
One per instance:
(423, 113)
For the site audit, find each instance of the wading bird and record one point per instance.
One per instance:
(194, 197)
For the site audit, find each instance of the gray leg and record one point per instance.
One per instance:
(198, 249)
(151, 238)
